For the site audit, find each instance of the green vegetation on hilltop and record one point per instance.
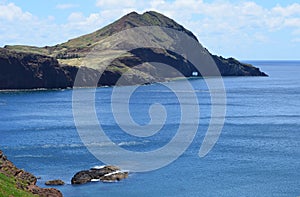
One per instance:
(72, 51)
(28, 49)
(101, 54)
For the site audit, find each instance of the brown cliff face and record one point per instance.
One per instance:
(28, 71)
(25, 180)
(20, 70)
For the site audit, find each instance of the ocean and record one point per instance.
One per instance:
(257, 154)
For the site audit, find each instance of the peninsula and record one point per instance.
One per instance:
(30, 67)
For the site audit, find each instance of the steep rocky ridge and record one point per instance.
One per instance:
(27, 67)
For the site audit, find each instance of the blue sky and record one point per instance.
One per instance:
(247, 30)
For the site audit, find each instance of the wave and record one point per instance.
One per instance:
(34, 90)
(98, 167)
(62, 146)
(132, 143)
(75, 145)
(101, 144)
(32, 156)
(264, 116)
(95, 180)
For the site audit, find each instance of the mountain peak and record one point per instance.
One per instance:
(61, 62)
(85, 42)
(152, 18)
(131, 20)
(133, 13)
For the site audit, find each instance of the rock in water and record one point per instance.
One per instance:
(114, 176)
(104, 174)
(55, 182)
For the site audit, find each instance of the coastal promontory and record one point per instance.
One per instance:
(30, 67)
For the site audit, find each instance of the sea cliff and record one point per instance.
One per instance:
(18, 182)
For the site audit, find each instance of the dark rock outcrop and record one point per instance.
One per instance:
(44, 192)
(232, 67)
(32, 71)
(227, 67)
(55, 182)
(104, 174)
(20, 70)
(25, 180)
(114, 176)
(29, 71)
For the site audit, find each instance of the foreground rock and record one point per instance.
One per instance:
(25, 180)
(114, 176)
(55, 182)
(104, 174)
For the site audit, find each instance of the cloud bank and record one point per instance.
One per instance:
(222, 26)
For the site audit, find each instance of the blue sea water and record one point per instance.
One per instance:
(257, 154)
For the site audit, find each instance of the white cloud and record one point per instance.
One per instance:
(218, 24)
(12, 12)
(66, 6)
(260, 37)
(292, 22)
(22, 27)
(76, 17)
(293, 9)
(223, 24)
(116, 3)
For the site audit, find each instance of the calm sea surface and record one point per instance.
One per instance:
(258, 153)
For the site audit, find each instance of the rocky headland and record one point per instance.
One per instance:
(30, 67)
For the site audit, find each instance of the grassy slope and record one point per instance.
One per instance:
(28, 49)
(74, 51)
(8, 188)
(82, 45)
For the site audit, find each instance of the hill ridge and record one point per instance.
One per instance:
(56, 66)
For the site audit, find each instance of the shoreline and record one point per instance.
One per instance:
(20, 181)
(106, 86)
